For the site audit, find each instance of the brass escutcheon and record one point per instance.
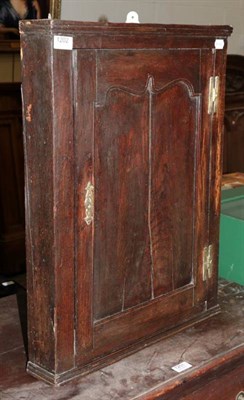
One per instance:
(89, 203)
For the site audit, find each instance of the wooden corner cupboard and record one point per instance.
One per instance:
(122, 137)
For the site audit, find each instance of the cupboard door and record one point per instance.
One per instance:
(138, 139)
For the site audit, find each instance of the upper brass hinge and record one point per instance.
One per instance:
(213, 94)
(207, 262)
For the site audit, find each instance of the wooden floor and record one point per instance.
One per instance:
(214, 348)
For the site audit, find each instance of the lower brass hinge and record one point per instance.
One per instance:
(213, 94)
(207, 262)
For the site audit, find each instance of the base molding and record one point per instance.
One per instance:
(79, 370)
(205, 381)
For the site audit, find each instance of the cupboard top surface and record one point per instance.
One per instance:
(94, 35)
(59, 26)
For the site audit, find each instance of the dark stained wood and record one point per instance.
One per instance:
(216, 174)
(124, 243)
(12, 225)
(49, 210)
(85, 71)
(125, 111)
(39, 197)
(113, 333)
(63, 211)
(203, 149)
(173, 204)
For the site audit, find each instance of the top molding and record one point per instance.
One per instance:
(55, 26)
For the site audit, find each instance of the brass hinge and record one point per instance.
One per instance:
(207, 262)
(213, 94)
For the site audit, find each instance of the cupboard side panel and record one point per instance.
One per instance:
(39, 195)
(206, 68)
(216, 172)
(49, 207)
